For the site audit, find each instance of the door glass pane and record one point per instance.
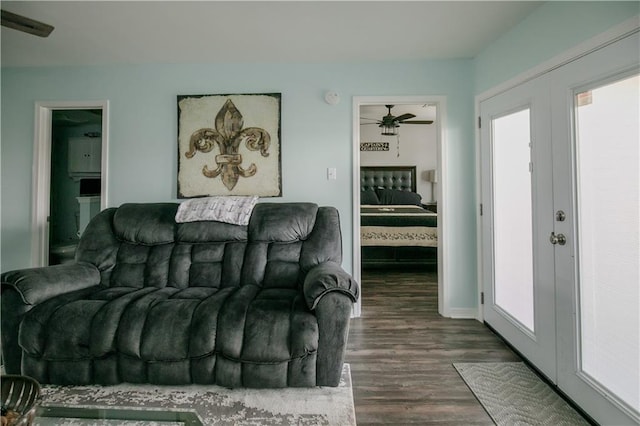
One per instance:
(512, 216)
(607, 139)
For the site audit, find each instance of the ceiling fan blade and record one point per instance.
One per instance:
(372, 119)
(24, 24)
(364, 124)
(403, 117)
(418, 122)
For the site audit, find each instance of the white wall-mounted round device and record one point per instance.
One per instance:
(331, 97)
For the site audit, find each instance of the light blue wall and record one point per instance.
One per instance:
(143, 133)
(549, 30)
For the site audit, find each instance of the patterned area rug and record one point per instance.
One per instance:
(512, 394)
(213, 405)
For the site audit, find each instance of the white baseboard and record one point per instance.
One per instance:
(462, 313)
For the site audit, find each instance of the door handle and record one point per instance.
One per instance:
(557, 239)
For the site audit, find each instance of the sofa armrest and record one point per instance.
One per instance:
(325, 278)
(36, 285)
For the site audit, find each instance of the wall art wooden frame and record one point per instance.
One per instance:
(229, 145)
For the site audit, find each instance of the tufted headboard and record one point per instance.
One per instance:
(388, 177)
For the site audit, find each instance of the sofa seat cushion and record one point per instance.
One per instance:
(267, 338)
(145, 323)
(177, 328)
(267, 326)
(58, 327)
(279, 328)
(251, 325)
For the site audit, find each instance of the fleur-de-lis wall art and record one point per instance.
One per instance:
(219, 155)
(228, 136)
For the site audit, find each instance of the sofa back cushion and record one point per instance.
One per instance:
(276, 236)
(286, 240)
(156, 251)
(146, 247)
(145, 233)
(145, 224)
(208, 254)
(282, 222)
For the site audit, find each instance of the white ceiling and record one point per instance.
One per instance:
(96, 32)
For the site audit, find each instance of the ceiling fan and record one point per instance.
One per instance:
(24, 24)
(390, 123)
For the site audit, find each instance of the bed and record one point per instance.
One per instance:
(396, 229)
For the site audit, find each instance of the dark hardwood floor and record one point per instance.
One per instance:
(401, 353)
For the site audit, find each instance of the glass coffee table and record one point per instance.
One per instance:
(46, 416)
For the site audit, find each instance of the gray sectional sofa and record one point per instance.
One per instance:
(149, 300)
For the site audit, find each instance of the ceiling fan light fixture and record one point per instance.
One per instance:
(24, 24)
(389, 129)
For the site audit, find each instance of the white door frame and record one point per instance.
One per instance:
(441, 197)
(41, 185)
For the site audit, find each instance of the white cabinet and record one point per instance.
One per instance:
(89, 207)
(85, 157)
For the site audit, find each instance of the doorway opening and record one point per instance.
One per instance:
(415, 151)
(75, 190)
(70, 176)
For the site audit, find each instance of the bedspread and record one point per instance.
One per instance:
(398, 226)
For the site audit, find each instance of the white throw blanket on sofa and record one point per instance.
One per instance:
(233, 209)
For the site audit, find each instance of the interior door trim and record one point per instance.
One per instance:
(442, 195)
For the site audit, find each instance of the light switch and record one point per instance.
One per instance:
(331, 173)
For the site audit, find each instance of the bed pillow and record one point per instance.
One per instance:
(369, 197)
(397, 197)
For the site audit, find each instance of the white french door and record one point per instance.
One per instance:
(561, 272)
(517, 214)
(597, 182)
